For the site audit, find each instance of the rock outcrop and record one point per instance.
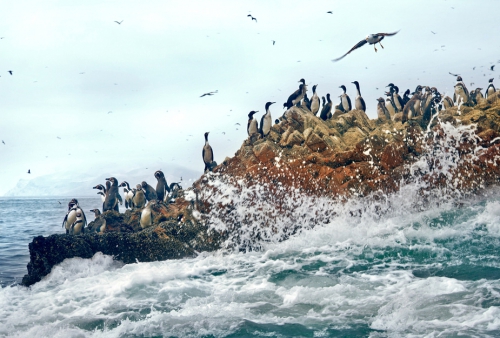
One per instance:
(346, 156)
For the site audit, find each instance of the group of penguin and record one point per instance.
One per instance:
(139, 197)
(423, 101)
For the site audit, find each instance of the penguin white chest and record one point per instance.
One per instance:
(252, 128)
(146, 218)
(266, 126)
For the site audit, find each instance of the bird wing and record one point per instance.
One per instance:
(453, 74)
(356, 46)
(204, 95)
(387, 34)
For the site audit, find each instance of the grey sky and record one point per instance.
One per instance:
(122, 97)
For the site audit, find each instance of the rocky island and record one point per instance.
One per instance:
(346, 156)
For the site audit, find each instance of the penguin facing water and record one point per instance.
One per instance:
(207, 154)
(161, 186)
(266, 121)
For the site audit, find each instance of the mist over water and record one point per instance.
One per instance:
(405, 264)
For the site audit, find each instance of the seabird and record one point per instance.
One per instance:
(252, 125)
(453, 74)
(345, 100)
(209, 93)
(297, 96)
(359, 103)
(10, 72)
(398, 101)
(315, 101)
(492, 67)
(406, 97)
(253, 18)
(327, 108)
(207, 154)
(273, 42)
(119, 22)
(372, 39)
(329, 12)
(3, 142)
(266, 121)
(29, 171)
(490, 90)
(382, 112)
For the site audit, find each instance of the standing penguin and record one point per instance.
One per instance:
(409, 110)
(111, 201)
(406, 97)
(461, 93)
(75, 213)
(149, 192)
(315, 101)
(266, 121)
(161, 186)
(346, 101)
(78, 226)
(252, 125)
(99, 223)
(382, 112)
(139, 197)
(146, 216)
(103, 196)
(327, 108)
(207, 154)
(491, 88)
(396, 99)
(129, 195)
(359, 103)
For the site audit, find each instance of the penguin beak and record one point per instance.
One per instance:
(107, 179)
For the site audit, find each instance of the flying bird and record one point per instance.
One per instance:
(253, 18)
(372, 39)
(119, 22)
(3, 142)
(29, 171)
(329, 12)
(209, 93)
(10, 72)
(274, 42)
(492, 67)
(433, 32)
(453, 74)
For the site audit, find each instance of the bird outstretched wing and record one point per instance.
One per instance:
(388, 34)
(356, 46)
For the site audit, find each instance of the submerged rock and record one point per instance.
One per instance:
(346, 156)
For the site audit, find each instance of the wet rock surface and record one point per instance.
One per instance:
(348, 155)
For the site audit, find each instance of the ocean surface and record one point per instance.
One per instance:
(423, 274)
(417, 263)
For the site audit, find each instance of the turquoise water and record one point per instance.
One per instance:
(417, 273)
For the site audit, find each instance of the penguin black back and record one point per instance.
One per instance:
(161, 185)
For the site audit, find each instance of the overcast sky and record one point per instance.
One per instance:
(88, 95)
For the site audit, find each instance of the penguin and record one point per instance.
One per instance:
(389, 105)
(461, 93)
(129, 195)
(70, 217)
(111, 200)
(315, 101)
(418, 101)
(139, 199)
(359, 103)
(266, 121)
(409, 110)
(252, 125)
(100, 187)
(327, 108)
(78, 226)
(162, 187)
(99, 224)
(207, 154)
(447, 102)
(103, 196)
(426, 102)
(346, 101)
(382, 112)
(149, 192)
(146, 216)
(297, 95)
(490, 90)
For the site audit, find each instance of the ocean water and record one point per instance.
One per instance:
(379, 266)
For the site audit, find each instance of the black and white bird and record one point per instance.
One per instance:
(345, 100)
(297, 96)
(266, 121)
(371, 39)
(327, 108)
(207, 154)
(119, 22)
(382, 112)
(396, 99)
(209, 93)
(490, 90)
(315, 103)
(359, 103)
(252, 125)
(253, 18)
